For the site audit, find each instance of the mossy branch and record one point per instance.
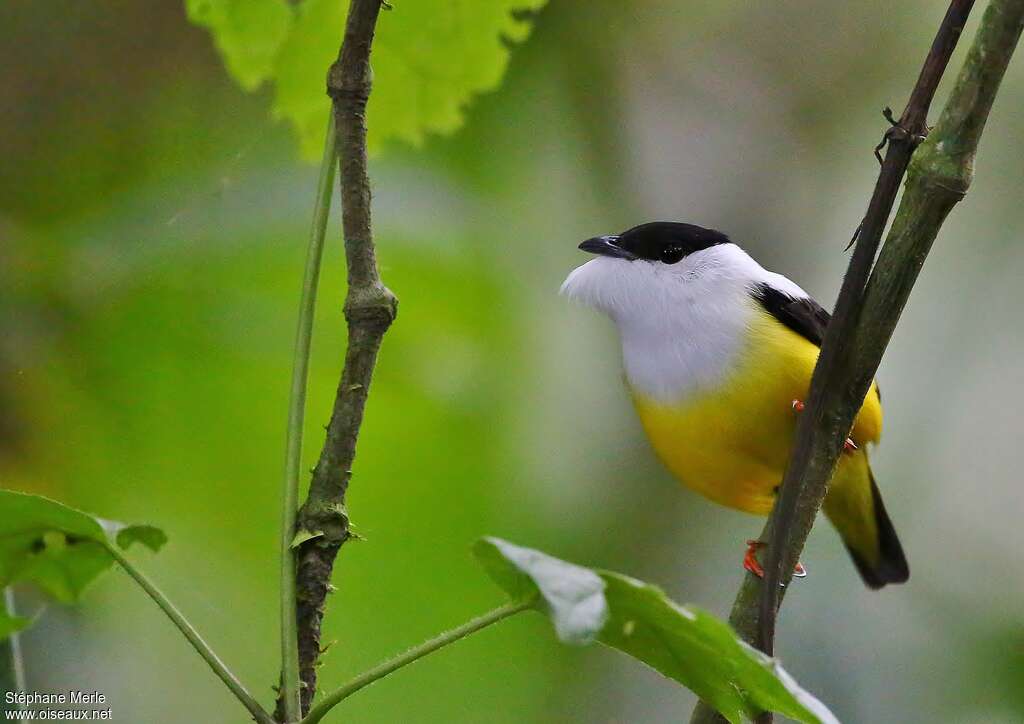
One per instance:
(938, 178)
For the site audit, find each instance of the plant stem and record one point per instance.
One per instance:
(186, 628)
(289, 697)
(16, 662)
(414, 654)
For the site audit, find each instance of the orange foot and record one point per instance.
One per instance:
(751, 564)
(848, 447)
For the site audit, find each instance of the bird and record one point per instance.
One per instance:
(718, 354)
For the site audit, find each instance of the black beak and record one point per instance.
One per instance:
(607, 246)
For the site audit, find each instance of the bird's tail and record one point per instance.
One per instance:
(854, 506)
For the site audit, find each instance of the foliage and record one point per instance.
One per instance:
(682, 642)
(429, 59)
(10, 624)
(248, 34)
(158, 235)
(60, 549)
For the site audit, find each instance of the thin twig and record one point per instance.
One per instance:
(289, 696)
(414, 654)
(259, 714)
(370, 309)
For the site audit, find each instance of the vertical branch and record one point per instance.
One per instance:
(370, 309)
(938, 178)
(834, 398)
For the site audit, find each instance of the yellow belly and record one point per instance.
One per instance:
(731, 443)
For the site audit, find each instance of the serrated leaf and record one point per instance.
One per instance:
(682, 642)
(429, 59)
(58, 548)
(248, 34)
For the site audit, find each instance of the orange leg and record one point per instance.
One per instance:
(848, 447)
(751, 563)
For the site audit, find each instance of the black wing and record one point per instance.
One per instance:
(804, 316)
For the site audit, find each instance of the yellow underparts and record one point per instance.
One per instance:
(731, 443)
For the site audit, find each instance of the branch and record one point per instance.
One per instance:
(370, 309)
(836, 392)
(856, 339)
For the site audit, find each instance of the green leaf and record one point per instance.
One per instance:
(682, 642)
(698, 650)
(430, 58)
(58, 548)
(248, 34)
(573, 596)
(302, 535)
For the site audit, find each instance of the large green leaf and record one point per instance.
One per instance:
(248, 34)
(58, 548)
(682, 642)
(572, 595)
(430, 58)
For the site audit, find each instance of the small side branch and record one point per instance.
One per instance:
(411, 656)
(370, 308)
(259, 714)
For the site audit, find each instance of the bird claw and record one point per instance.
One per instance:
(848, 447)
(751, 564)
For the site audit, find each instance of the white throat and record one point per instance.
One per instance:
(682, 326)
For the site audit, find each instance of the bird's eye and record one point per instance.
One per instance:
(671, 254)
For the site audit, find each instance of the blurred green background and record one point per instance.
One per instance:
(153, 219)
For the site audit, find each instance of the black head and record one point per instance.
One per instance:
(664, 241)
